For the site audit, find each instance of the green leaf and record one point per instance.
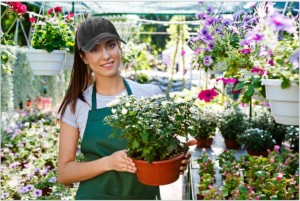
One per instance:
(144, 136)
(239, 86)
(273, 197)
(135, 144)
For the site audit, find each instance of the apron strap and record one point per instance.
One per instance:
(94, 100)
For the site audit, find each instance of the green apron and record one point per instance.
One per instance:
(96, 143)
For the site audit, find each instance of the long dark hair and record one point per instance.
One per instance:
(81, 77)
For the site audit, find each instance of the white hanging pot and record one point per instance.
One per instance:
(284, 102)
(45, 63)
(68, 65)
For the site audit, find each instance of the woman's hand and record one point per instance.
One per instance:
(120, 162)
(185, 163)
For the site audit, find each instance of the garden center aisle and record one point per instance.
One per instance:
(179, 190)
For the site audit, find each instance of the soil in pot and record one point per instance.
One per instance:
(253, 153)
(204, 143)
(232, 144)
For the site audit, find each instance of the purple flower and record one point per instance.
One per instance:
(52, 179)
(207, 60)
(210, 9)
(226, 22)
(44, 171)
(29, 187)
(204, 31)
(264, 52)
(14, 165)
(4, 195)
(245, 42)
(281, 23)
(38, 192)
(37, 170)
(209, 20)
(226, 80)
(260, 71)
(23, 190)
(201, 16)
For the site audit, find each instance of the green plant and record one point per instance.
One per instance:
(205, 122)
(54, 32)
(151, 125)
(292, 137)
(232, 122)
(264, 120)
(206, 165)
(256, 140)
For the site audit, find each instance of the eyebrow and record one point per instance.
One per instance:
(111, 40)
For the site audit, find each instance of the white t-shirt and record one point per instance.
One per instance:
(79, 119)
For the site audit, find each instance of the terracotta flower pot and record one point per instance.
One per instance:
(232, 144)
(204, 143)
(158, 172)
(253, 153)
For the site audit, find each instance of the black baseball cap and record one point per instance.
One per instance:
(94, 29)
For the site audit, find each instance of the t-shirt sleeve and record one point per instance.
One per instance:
(69, 117)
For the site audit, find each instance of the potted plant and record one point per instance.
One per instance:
(274, 48)
(264, 120)
(256, 141)
(151, 127)
(52, 35)
(205, 122)
(232, 122)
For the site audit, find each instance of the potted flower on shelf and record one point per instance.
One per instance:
(256, 141)
(205, 122)
(52, 35)
(232, 123)
(274, 49)
(151, 127)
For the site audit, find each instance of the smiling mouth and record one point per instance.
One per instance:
(108, 65)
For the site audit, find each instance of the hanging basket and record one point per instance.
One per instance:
(68, 65)
(284, 102)
(45, 63)
(158, 172)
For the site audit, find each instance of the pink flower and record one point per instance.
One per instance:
(18, 7)
(182, 53)
(203, 150)
(245, 51)
(276, 148)
(260, 71)
(210, 186)
(226, 80)
(207, 95)
(56, 9)
(68, 17)
(32, 19)
(271, 160)
(279, 177)
(257, 197)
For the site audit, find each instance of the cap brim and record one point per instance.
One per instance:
(96, 40)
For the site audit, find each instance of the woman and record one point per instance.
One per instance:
(106, 173)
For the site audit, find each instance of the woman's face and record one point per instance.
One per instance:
(104, 58)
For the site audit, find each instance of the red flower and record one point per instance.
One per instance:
(18, 7)
(207, 95)
(68, 17)
(279, 177)
(56, 9)
(32, 19)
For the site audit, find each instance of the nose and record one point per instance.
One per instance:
(106, 54)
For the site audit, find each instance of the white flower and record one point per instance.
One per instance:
(164, 103)
(124, 111)
(113, 111)
(178, 100)
(127, 104)
(113, 103)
